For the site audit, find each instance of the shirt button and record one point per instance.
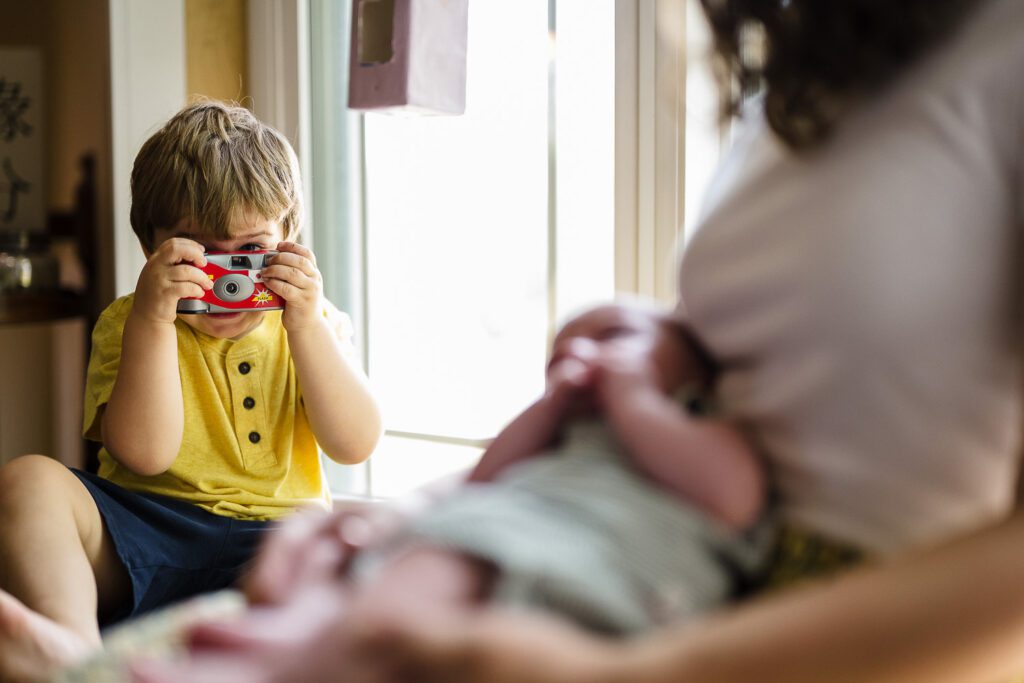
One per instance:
(254, 437)
(249, 402)
(244, 368)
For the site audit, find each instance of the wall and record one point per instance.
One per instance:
(150, 43)
(215, 49)
(43, 364)
(73, 37)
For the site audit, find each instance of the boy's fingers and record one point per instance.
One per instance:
(186, 290)
(295, 261)
(289, 272)
(188, 273)
(283, 288)
(179, 249)
(295, 248)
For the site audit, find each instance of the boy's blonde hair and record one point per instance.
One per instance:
(210, 161)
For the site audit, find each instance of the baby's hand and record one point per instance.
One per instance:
(618, 375)
(172, 272)
(293, 275)
(570, 384)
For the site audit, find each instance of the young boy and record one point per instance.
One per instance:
(210, 423)
(607, 501)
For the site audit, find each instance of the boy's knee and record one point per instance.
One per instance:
(31, 479)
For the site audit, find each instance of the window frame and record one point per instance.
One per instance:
(290, 40)
(650, 144)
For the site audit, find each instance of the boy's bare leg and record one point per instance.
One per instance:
(56, 559)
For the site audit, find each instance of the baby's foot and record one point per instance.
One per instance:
(33, 647)
(295, 642)
(308, 613)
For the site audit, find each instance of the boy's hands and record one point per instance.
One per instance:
(293, 275)
(171, 272)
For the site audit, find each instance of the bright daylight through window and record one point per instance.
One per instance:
(482, 231)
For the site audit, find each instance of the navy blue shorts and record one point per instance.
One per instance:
(172, 550)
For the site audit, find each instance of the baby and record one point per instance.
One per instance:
(608, 500)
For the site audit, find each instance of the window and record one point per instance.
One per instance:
(459, 243)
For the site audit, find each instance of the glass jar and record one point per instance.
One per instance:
(26, 263)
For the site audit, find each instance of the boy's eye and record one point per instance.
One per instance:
(251, 247)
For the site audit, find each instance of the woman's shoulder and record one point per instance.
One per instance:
(985, 55)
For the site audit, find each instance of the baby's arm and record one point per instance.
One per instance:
(704, 460)
(143, 421)
(342, 412)
(537, 426)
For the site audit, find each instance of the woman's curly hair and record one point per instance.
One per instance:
(812, 57)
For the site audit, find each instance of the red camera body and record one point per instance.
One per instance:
(237, 284)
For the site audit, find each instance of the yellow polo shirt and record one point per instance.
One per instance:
(248, 451)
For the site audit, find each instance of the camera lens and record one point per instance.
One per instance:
(234, 287)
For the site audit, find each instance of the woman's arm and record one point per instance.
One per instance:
(951, 615)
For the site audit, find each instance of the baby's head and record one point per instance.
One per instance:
(677, 358)
(210, 168)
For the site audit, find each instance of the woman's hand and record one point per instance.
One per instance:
(483, 647)
(488, 646)
(312, 547)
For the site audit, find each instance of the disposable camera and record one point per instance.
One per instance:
(237, 284)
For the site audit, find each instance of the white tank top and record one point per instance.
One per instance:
(860, 298)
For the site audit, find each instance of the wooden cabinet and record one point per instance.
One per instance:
(42, 372)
